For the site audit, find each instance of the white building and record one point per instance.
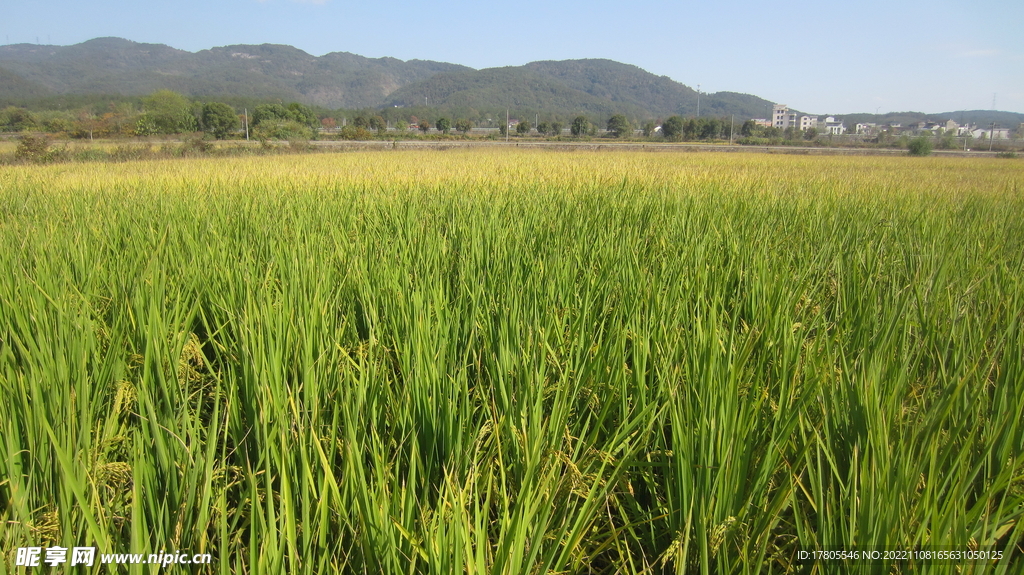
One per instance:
(995, 134)
(782, 118)
(867, 128)
(808, 122)
(834, 127)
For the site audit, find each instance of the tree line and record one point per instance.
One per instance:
(166, 112)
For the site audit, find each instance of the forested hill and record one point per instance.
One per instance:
(268, 71)
(114, 66)
(50, 77)
(568, 87)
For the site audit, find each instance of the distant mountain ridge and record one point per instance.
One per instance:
(114, 66)
(592, 86)
(273, 72)
(266, 71)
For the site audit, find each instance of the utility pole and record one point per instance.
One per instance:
(246, 124)
(698, 100)
(732, 123)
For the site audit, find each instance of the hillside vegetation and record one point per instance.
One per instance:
(267, 71)
(113, 66)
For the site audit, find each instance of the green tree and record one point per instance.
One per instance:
(14, 119)
(691, 128)
(443, 125)
(543, 128)
(920, 146)
(57, 123)
(219, 119)
(379, 124)
(556, 128)
(350, 132)
(580, 126)
(361, 121)
(289, 130)
(303, 115)
(424, 125)
(748, 128)
(648, 128)
(810, 133)
(463, 125)
(672, 128)
(169, 112)
(947, 141)
(710, 128)
(619, 126)
(268, 113)
(523, 128)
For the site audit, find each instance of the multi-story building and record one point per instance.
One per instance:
(782, 118)
(834, 127)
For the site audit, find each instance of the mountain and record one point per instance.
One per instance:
(569, 87)
(493, 90)
(983, 118)
(121, 68)
(268, 72)
(17, 87)
(69, 76)
(621, 84)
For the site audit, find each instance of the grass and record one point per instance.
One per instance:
(514, 362)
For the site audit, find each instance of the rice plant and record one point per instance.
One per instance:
(514, 362)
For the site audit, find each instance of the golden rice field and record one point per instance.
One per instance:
(513, 362)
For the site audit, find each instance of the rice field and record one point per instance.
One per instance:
(514, 362)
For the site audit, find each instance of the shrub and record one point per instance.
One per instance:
(37, 148)
(196, 146)
(300, 146)
(351, 132)
(289, 130)
(920, 146)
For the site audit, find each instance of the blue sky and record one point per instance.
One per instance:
(823, 56)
